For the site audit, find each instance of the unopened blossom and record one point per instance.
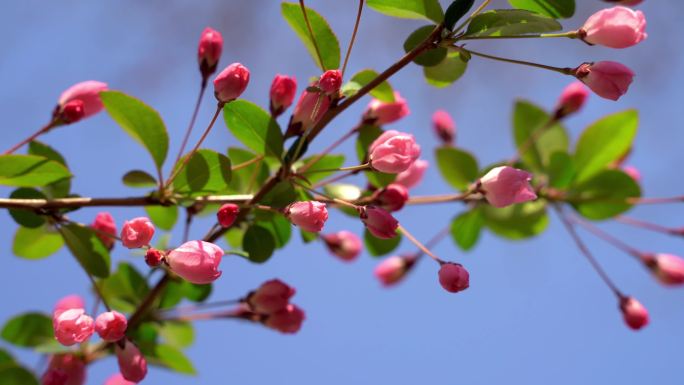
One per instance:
(137, 232)
(154, 257)
(391, 198)
(209, 51)
(132, 363)
(118, 379)
(444, 126)
(282, 94)
(72, 326)
(344, 244)
(668, 268)
(64, 369)
(111, 326)
(330, 82)
(72, 112)
(571, 99)
(393, 269)
(227, 214)
(393, 152)
(105, 228)
(69, 302)
(309, 110)
(503, 186)
(272, 296)
(617, 27)
(288, 320)
(380, 113)
(196, 261)
(309, 215)
(379, 222)
(607, 79)
(87, 92)
(413, 175)
(634, 313)
(453, 277)
(231, 82)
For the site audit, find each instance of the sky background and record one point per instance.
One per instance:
(535, 312)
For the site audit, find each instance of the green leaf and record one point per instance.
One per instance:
(325, 163)
(195, 292)
(456, 11)
(140, 121)
(307, 236)
(163, 217)
(247, 179)
(139, 178)
(172, 295)
(125, 288)
(326, 41)
(36, 243)
(27, 218)
(382, 92)
(254, 127)
(281, 195)
(530, 121)
(409, 9)
(378, 247)
(511, 22)
(28, 330)
(518, 221)
(367, 134)
(259, 243)
(13, 374)
(206, 172)
(561, 170)
(604, 195)
(174, 359)
(177, 333)
(344, 191)
(558, 9)
(278, 225)
(430, 57)
(30, 171)
(61, 188)
(458, 167)
(447, 72)
(466, 228)
(234, 236)
(87, 248)
(604, 142)
(5, 357)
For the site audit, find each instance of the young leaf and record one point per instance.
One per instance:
(206, 172)
(174, 359)
(61, 188)
(278, 225)
(140, 121)
(326, 41)
(139, 178)
(378, 247)
(430, 57)
(164, 217)
(558, 9)
(36, 243)
(259, 243)
(518, 221)
(528, 120)
(447, 72)
(28, 330)
(409, 9)
(30, 171)
(27, 218)
(14, 374)
(248, 178)
(456, 11)
(177, 333)
(605, 142)
(382, 92)
(458, 167)
(466, 228)
(125, 288)
(511, 22)
(87, 248)
(254, 127)
(604, 195)
(561, 170)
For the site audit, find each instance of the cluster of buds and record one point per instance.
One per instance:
(270, 304)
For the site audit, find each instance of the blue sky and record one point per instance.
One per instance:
(535, 312)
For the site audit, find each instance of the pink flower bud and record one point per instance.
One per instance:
(344, 244)
(154, 257)
(391, 198)
(272, 296)
(393, 152)
(69, 302)
(137, 232)
(282, 93)
(132, 363)
(503, 186)
(72, 112)
(87, 92)
(231, 82)
(64, 369)
(393, 269)
(444, 126)
(288, 320)
(104, 225)
(330, 82)
(111, 326)
(309, 110)
(309, 215)
(72, 326)
(379, 222)
(380, 113)
(227, 214)
(118, 379)
(413, 175)
(209, 51)
(571, 99)
(617, 27)
(196, 261)
(633, 172)
(607, 79)
(634, 313)
(668, 268)
(453, 277)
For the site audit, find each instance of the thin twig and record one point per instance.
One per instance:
(353, 37)
(203, 86)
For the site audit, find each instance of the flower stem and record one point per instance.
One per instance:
(360, 167)
(353, 37)
(608, 238)
(422, 247)
(467, 21)
(325, 152)
(648, 225)
(564, 71)
(44, 129)
(203, 86)
(570, 35)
